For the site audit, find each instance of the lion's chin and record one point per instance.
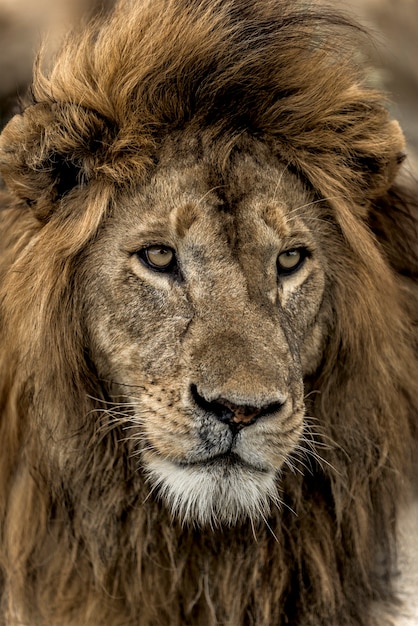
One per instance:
(216, 493)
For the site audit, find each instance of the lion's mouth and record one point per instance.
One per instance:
(224, 460)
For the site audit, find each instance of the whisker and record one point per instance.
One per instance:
(293, 468)
(279, 503)
(300, 457)
(253, 529)
(121, 384)
(311, 393)
(109, 402)
(263, 517)
(154, 487)
(208, 192)
(280, 180)
(312, 453)
(318, 201)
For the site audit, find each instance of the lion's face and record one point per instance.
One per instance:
(204, 304)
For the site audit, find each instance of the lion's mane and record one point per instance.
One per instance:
(82, 541)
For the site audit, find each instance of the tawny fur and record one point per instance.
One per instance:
(85, 539)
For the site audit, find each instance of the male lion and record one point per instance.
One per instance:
(208, 385)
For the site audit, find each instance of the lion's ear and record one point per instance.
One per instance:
(359, 162)
(379, 160)
(44, 155)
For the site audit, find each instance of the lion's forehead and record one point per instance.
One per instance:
(250, 200)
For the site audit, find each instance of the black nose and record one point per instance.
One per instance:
(235, 415)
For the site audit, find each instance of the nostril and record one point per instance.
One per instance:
(220, 410)
(244, 415)
(236, 415)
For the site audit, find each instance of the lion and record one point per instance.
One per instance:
(207, 300)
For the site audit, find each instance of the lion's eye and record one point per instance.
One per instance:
(158, 258)
(291, 260)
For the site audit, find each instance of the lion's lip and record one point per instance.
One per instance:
(226, 460)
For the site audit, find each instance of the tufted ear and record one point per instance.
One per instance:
(355, 152)
(47, 151)
(379, 159)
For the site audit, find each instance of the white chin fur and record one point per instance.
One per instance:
(213, 494)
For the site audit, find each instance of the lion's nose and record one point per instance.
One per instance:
(235, 415)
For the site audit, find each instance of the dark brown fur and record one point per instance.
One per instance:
(82, 541)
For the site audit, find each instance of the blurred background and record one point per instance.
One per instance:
(394, 51)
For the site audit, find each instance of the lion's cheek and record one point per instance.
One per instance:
(270, 449)
(307, 315)
(125, 351)
(312, 349)
(167, 433)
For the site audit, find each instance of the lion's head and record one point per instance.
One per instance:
(206, 311)
(203, 324)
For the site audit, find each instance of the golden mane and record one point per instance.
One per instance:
(81, 539)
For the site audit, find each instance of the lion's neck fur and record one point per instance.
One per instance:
(119, 558)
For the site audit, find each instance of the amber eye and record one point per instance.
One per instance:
(158, 258)
(291, 260)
